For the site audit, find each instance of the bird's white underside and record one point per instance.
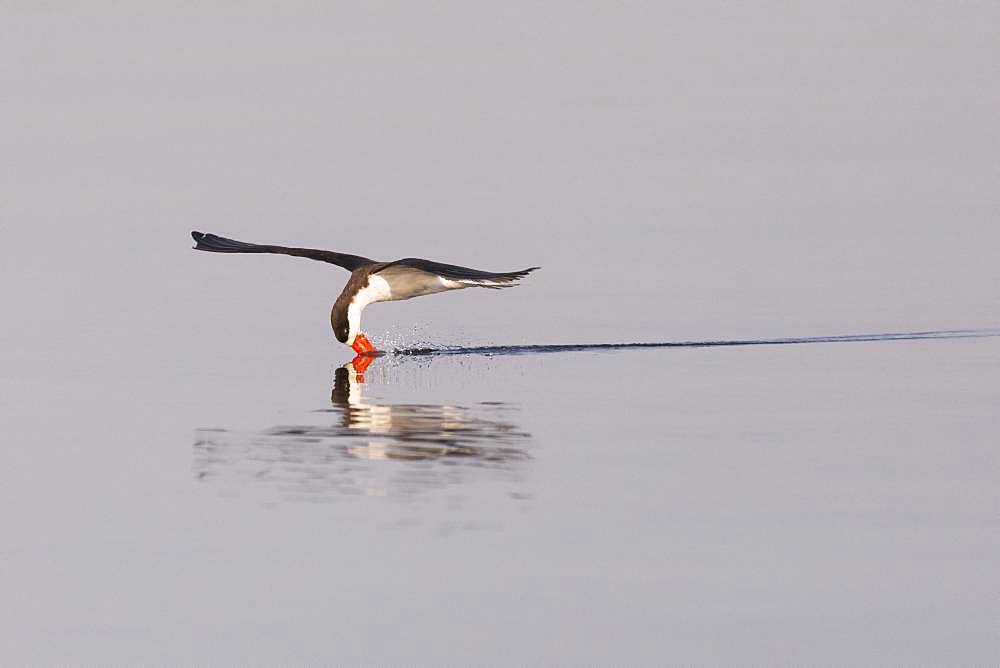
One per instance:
(378, 290)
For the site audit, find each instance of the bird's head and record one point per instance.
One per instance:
(340, 323)
(342, 331)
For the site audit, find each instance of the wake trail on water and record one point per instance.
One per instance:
(584, 347)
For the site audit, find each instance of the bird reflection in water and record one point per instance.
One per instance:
(371, 447)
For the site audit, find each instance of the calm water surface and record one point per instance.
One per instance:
(574, 506)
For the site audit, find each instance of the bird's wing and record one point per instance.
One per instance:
(217, 244)
(411, 277)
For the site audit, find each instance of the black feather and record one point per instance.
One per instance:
(217, 244)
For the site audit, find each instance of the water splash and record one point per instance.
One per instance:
(422, 335)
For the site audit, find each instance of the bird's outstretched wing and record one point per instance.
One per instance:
(450, 273)
(217, 244)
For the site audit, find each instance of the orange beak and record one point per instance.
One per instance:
(362, 346)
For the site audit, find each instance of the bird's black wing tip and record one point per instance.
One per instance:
(207, 241)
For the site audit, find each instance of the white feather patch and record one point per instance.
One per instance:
(466, 282)
(377, 290)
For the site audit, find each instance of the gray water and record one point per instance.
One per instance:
(194, 473)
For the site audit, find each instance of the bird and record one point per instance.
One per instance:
(372, 281)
